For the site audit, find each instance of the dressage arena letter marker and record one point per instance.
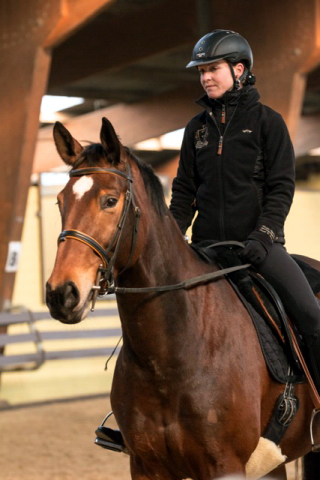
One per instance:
(14, 251)
(82, 186)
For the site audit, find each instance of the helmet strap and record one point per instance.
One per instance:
(247, 77)
(237, 84)
(236, 81)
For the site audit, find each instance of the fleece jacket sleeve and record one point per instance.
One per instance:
(184, 186)
(280, 180)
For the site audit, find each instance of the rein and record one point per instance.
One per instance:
(191, 282)
(104, 284)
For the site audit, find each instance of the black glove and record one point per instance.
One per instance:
(254, 252)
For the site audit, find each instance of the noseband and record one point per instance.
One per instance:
(104, 279)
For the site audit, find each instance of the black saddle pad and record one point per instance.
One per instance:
(278, 355)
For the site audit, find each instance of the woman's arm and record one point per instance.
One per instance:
(184, 187)
(280, 181)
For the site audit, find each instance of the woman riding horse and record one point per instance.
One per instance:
(237, 171)
(191, 391)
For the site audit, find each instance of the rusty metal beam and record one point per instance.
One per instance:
(133, 123)
(24, 65)
(73, 14)
(24, 70)
(307, 137)
(119, 40)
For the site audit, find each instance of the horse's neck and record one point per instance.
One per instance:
(159, 325)
(165, 258)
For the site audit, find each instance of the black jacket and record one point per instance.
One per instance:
(239, 176)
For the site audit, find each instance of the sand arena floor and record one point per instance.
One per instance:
(55, 441)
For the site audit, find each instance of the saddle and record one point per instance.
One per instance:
(278, 338)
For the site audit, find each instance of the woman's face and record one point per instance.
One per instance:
(216, 77)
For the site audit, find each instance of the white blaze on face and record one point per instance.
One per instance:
(82, 186)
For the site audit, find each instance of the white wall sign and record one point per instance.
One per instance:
(14, 252)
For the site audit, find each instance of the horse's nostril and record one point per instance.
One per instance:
(65, 296)
(71, 295)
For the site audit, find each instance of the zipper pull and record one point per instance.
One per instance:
(220, 145)
(223, 114)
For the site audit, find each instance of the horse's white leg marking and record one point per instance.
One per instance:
(82, 186)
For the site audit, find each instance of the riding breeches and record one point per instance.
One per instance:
(293, 288)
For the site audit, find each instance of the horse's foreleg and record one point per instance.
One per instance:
(311, 466)
(139, 471)
(277, 474)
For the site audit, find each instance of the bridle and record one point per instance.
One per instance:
(104, 283)
(104, 279)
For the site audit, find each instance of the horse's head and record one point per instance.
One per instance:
(98, 215)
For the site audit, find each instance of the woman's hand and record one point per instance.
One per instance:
(254, 252)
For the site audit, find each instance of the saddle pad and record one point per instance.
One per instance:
(273, 349)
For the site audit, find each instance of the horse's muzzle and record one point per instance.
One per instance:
(62, 301)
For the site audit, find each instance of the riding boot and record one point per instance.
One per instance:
(312, 342)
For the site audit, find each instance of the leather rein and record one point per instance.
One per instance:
(104, 284)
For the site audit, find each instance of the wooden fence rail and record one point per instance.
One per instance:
(32, 361)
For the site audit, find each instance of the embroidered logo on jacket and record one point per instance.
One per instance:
(247, 131)
(201, 137)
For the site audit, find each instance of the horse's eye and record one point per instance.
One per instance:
(109, 202)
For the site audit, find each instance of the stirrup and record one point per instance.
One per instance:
(108, 438)
(315, 447)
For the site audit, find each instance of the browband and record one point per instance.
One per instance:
(92, 170)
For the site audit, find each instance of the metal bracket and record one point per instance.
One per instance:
(288, 406)
(315, 446)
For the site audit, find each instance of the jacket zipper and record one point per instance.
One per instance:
(219, 152)
(223, 114)
(221, 137)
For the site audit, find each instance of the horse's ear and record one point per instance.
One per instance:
(110, 141)
(68, 147)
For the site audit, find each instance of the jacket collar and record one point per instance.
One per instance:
(246, 97)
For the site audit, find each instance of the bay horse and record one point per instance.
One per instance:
(191, 391)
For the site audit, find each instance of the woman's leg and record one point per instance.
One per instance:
(298, 299)
(293, 288)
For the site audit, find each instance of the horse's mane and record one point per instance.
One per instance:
(94, 155)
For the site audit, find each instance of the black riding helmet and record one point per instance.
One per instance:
(223, 44)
